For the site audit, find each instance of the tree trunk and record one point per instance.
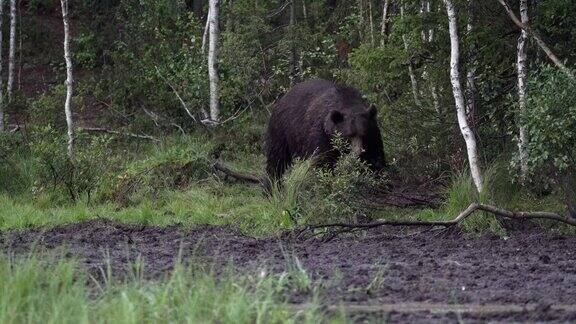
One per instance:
(472, 65)
(20, 46)
(361, 20)
(467, 133)
(205, 34)
(384, 26)
(428, 37)
(431, 30)
(423, 32)
(371, 20)
(293, 52)
(69, 77)
(212, 58)
(538, 40)
(522, 77)
(413, 79)
(2, 113)
(12, 50)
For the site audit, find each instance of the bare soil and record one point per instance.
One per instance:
(399, 274)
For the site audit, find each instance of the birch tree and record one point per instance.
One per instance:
(2, 113)
(384, 24)
(293, 52)
(522, 76)
(12, 49)
(538, 39)
(214, 35)
(472, 65)
(69, 77)
(413, 80)
(428, 37)
(467, 133)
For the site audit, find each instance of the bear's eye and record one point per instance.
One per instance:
(336, 117)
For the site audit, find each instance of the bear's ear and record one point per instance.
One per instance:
(372, 112)
(336, 117)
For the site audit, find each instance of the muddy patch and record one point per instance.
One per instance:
(533, 271)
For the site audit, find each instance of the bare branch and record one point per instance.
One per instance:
(461, 217)
(244, 177)
(184, 105)
(115, 132)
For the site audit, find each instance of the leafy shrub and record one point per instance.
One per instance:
(550, 121)
(327, 194)
(16, 166)
(62, 177)
(48, 109)
(172, 168)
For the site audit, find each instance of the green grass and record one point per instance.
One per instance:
(173, 183)
(61, 293)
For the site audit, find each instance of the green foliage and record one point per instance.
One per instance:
(85, 50)
(550, 120)
(48, 109)
(174, 167)
(16, 165)
(60, 176)
(310, 195)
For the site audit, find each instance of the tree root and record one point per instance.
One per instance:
(461, 217)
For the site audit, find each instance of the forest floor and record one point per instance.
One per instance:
(405, 275)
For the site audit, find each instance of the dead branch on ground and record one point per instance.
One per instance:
(115, 132)
(460, 218)
(244, 177)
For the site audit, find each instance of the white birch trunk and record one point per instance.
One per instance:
(12, 50)
(413, 80)
(467, 133)
(2, 113)
(471, 73)
(431, 30)
(361, 21)
(371, 20)
(538, 40)
(205, 34)
(69, 77)
(428, 38)
(212, 61)
(522, 76)
(384, 26)
(423, 32)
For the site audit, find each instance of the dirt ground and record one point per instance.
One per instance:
(399, 274)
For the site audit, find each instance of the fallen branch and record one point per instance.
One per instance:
(244, 177)
(538, 40)
(115, 132)
(461, 217)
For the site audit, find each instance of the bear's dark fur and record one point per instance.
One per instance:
(306, 119)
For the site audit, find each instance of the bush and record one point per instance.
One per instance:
(550, 121)
(16, 165)
(327, 194)
(59, 176)
(172, 168)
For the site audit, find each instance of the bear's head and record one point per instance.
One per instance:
(354, 125)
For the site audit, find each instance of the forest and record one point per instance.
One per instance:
(287, 161)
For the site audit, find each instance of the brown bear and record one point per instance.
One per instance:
(306, 119)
